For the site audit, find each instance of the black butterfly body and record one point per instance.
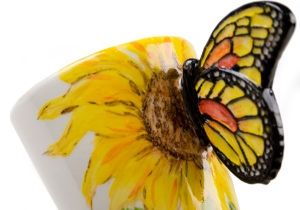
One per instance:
(228, 92)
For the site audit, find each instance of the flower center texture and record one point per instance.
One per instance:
(166, 120)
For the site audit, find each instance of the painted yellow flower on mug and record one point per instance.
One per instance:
(129, 96)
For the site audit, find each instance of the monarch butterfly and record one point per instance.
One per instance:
(228, 92)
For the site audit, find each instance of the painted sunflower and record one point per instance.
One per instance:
(129, 97)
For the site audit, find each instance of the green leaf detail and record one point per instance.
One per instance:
(135, 208)
(231, 206)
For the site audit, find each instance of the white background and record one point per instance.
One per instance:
(37, 38)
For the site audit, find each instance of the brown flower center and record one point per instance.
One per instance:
(167, 122)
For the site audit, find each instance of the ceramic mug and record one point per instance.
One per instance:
(145, 125)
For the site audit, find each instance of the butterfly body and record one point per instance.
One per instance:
(228, 92)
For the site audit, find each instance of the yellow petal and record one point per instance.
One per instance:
(129, 183)
(132, 59)
(162, 186)
(192, 186)
(101, 168)
(106, 60)
(222, 181)
(108, 121)
(72, 134)
(97, 89)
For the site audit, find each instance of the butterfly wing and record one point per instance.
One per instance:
(228, 92)
(250, 40)
(241, 122)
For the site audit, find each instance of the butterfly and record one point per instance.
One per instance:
(228, 92)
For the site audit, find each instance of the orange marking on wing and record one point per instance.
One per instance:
(138, 46)
(218, 112)
(114, 152)
(228, 61)
(218, 52)
(139, 184)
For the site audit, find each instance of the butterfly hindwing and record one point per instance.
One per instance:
(240, 124)
(240, 121)
(250, 40)
(228, 92)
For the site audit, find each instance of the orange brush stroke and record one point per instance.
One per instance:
(168, 49)
(153, 57)
(111, 98)
(118, 130)
(138, 46)
(174, 190)
(218, 112)
(139, 184)
(114, 152)
(90, 63)
(100, 77)
(218, 52)
(131, 127)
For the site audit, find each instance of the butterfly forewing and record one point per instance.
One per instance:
(250, 40)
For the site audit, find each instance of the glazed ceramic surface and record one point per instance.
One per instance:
(126, 160)
(145, 125)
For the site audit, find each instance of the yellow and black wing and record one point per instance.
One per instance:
(242, 123)
(228, 92)
(250, 40)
